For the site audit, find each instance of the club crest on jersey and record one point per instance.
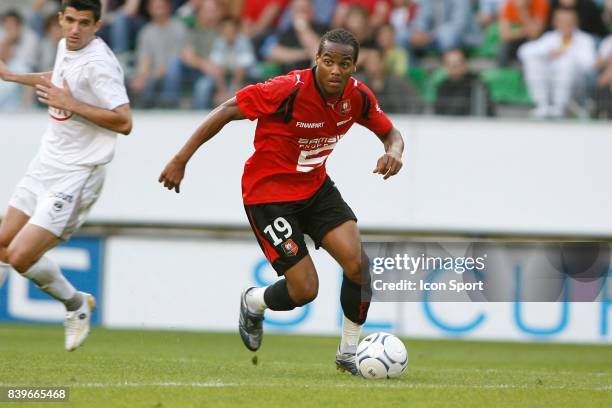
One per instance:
(345, 106)
(60, 115)
(290, 248)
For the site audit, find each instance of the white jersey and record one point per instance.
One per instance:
(95, 77)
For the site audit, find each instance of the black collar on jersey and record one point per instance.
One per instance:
(325, 101)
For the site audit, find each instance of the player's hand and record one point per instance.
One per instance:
(49, 94)
(173, 174)
(388, 165)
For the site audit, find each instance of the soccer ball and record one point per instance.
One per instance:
(381, 355)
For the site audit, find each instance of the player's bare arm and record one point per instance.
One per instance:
(390, 163)
(32, 79)
(118, 120)
(173, 173)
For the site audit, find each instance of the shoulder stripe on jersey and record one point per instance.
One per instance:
(365, 110)
(281, 108)
(289, 111)
(286, 106)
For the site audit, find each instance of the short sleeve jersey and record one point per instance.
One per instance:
(95, 77)
(297, 130)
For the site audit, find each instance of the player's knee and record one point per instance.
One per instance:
(306, 293)
(356, 267)
(20, 260)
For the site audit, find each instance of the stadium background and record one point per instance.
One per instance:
(157, 254)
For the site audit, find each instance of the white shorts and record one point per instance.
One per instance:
(58, 200)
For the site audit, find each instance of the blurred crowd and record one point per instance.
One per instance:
(447, 57)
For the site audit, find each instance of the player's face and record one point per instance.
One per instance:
(78, 27)
(335, 65)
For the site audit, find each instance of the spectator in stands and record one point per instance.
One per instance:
(520, 21)
(558, 64)
(260, 18)
(377, 12)
(444, 24)
(18, 46)
(401, 18)
(232, 54)
(323, 13)
(186, 10)
(36, 17)
(395, 58)
(590, 17)
(488, 11)
(193, 66)
(123, 20)
(603, 91)
(357, 23)
(298, 44)
(462, 93)
(394, 93)
(159, 44)
(48, 45)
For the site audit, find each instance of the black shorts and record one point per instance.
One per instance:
(280, 227)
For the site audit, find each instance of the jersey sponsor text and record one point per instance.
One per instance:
(310, 125)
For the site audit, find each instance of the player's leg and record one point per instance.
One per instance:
(61, 199)
(332, 225)
(299, 287)
(63, 203)
(344, 244)
(11, 224)
(279, 235)
(20, 208)
(26, 254)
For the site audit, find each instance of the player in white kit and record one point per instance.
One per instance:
(88, 106)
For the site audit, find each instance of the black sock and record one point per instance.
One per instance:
(354, 307)
(277, 297)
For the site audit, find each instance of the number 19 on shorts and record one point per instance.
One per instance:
(281, 227)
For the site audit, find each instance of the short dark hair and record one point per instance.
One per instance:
(94, 6)
(13, 14)
(340, 36)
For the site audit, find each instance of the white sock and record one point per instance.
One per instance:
(4, 271)
(255, 300)
(350, 336)
(47, 275)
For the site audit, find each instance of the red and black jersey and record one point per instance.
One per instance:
(297, 129)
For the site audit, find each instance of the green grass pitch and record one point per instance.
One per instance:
(118, 368)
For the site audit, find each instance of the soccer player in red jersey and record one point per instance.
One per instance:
(286, 191)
